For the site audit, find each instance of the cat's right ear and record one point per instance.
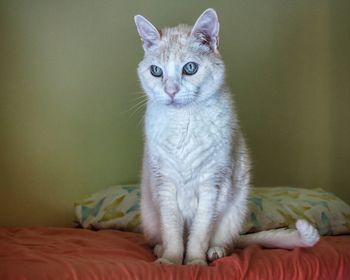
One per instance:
(147, 31)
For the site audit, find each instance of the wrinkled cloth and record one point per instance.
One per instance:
(64, 253)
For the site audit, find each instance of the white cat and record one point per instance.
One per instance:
(196, 168)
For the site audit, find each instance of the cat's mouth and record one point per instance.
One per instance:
(176, 103)
(172, 102)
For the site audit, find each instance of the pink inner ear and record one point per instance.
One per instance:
(206, 28)
(147, 31)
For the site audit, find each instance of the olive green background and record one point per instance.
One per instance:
(68, 84)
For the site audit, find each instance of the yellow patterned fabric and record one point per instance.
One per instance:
(276, 207)
(118, 207)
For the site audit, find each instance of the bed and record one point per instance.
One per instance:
(109, 244)
(64, 253)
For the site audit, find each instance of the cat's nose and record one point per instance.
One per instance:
(172, 90)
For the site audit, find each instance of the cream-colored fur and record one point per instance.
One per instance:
(196, 167)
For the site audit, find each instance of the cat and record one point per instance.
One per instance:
(196, 166)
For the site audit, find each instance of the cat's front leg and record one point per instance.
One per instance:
(172, 226)
(202, 226)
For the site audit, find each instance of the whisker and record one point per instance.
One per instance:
(142, 120)
(138, 107)
(139, 102)
(137, 99)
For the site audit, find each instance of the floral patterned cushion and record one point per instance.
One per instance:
(275, 207)
(118, 207)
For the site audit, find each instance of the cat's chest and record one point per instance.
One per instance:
(185, 137)
(186, 145)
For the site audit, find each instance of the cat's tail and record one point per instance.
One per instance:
(305, 235)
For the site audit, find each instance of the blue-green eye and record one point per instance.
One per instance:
(156, 71)
(190, 68)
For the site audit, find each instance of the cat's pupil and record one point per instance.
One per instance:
(156, 71)
(190, 68)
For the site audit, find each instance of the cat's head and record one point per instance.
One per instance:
(182, 64)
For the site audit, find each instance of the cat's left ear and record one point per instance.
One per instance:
(206, 29)
(147, 31)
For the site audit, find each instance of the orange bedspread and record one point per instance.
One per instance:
(62, 253)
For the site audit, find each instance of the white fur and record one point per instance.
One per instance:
(196, 168)
(305, 235)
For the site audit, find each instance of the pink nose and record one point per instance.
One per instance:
(172, 90)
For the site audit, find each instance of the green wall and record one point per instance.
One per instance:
(68, 85)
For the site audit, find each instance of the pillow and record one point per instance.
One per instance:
(275, 207)
(118, 207)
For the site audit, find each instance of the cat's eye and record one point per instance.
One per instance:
(190, 68)
(156, 71)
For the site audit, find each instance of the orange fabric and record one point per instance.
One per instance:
(61, 253)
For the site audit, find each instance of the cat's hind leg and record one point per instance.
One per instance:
(222, 241)
(227, 228)
(158, 250)
(216, 252)
(150, 219)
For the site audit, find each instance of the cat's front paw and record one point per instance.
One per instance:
(196, 262)
(169, 261)
(166, 258)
